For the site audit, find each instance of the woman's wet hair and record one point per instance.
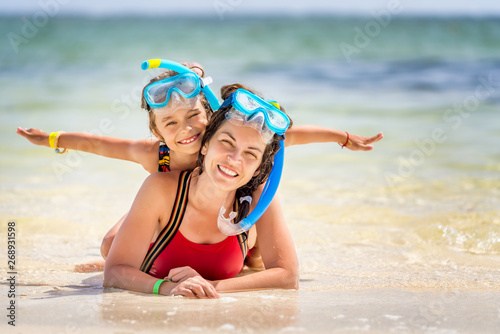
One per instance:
(198, 69)
(266, 164)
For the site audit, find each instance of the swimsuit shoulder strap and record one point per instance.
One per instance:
(163, 158)
(167, 234)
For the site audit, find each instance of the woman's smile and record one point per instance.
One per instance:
(226, 171)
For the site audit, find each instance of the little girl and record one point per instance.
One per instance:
(178, 126)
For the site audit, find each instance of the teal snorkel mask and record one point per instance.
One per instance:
(186, 84)
(250, 110)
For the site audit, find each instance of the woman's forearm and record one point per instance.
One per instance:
(273, 278)
(129, 278)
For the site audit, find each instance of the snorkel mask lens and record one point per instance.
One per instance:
(181, 69)
(160, 92)
(255, 110)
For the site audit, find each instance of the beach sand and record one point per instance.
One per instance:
(63, 301)
(83, 306)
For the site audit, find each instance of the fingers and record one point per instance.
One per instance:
(196, 288)
(375, 138)
(357, 143)
(193, 287)
(22, 132)
(181, 274)
(204, 290)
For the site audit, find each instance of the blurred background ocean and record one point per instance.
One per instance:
(421, 209)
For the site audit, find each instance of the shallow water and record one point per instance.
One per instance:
(421, 211)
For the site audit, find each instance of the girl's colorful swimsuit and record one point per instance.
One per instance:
(172, 250)
(164, 158)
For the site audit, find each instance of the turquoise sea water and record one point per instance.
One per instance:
(421, 210)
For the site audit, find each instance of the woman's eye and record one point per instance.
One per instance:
(252, 155)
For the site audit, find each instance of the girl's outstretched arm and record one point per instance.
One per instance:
(143, 152)
(307, 134)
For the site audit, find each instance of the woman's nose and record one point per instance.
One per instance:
(235, 156)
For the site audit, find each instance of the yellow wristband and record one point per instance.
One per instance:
(52, 139)
(56, 146)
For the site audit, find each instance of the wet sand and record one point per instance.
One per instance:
(81, 305)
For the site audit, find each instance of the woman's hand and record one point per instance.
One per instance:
(191, 284)
(181, 274)
(35, 136)
(194, 287)
(358, 143)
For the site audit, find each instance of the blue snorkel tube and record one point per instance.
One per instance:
(179, 68)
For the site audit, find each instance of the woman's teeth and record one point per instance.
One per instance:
(228, 171)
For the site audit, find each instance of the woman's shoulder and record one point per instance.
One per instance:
(163, 179)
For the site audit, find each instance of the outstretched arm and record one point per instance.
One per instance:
(143, 152)
(307, 134)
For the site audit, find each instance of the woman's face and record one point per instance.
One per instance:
(233, 155)
(182, 128)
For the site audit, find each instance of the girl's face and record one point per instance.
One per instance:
(233, 155)
(182, 128)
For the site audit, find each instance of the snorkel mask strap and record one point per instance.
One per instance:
(179, 68)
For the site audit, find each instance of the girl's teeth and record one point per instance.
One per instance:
(187, 141)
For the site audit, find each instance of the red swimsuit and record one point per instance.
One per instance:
(214, 261)
(221, 260)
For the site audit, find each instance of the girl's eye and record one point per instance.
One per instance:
(170, 123)
(194, 115)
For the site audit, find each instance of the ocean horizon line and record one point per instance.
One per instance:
(232, 16)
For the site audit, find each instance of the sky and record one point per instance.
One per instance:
(250, 7)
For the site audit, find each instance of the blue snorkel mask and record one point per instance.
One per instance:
(250, 110)
(186, 84)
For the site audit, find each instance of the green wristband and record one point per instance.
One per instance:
(156, 288)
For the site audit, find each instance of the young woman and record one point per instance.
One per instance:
(170, 243)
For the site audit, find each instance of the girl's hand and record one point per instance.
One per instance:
(35, 136)
(194, 287)
(358, 143)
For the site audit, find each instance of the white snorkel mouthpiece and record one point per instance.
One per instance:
(227, 226)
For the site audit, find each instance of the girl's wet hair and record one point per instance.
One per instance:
(266, 164)
(198, 69)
